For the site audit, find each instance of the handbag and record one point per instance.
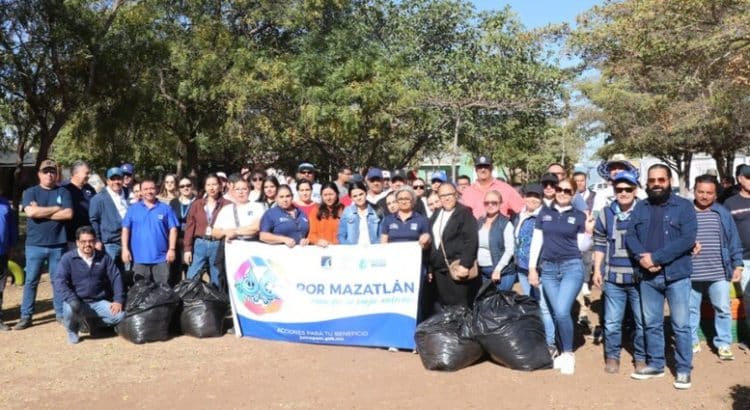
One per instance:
(454, 270)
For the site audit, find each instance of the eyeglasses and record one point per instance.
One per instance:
(625, 189)
(566, 191)
(418, 186)
(403, 199)
(491, 203)
(660, 180)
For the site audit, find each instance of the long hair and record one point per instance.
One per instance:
(272, 179)
(333, 211)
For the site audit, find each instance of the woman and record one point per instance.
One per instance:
(136, 193)
(496, 244)
(391, 203)
(454, 237)
(284, 223)
(181, 207)
(561, 233)
(200, 244)
(433, 203)
(360, 223)
(268, 196)
(256, 182)
(304, 201)
(169, 189)
(325, 218)
(239, 220)
(420, 188)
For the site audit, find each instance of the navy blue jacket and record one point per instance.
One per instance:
(8, 227)
(104, 218)
(102, 281)
(681, 227)
(497, 241)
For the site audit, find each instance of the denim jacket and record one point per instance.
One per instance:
(681, 227)
(731, 251)
(349, 225)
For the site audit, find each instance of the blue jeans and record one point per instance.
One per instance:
(506, 281)
(718, 293)
(562, 282)
(97, 312)
(616, 297)
(654, 289)
(35, 258)
(538, 294)
(204, 252)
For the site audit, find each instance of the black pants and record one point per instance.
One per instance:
(450, 292)
(158, 273)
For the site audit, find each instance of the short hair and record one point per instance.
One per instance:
(552, 164)
(728, 179)
(284, 187)
(85, 230)
(497, 193)
(234, 177)
(661, 166)
(707, 179)
(302, 181)
(344, 168)
(450, 184)
(78, 164)
(466, 177)
(409, 190)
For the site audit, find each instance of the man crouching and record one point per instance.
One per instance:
(90, 285)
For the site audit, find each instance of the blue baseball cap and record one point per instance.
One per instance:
(374, 173)
(114, 171)
(439, 175)
(625, 176)
(127, 168)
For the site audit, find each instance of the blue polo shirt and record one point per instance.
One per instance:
(149, 231)
(278, 222)
(561, 231)
(45, 231)
(405, 231)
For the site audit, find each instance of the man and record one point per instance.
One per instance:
(228, 193)
(462, 182)
(375, 186)
(739, 206)
(342, 179)
(606, 170)
(386, 181)
(106, 212)
(582, 190)
(661, 238)
(473, 196)
(557, 170)
(730, 188)
(90, 286)
(128, 182)
(306, 171)
(398, 179)
(8, 239)
(149, 236)
(48, 208)
(200, 245)
(620, 278)
(80, 193)
(716, 260)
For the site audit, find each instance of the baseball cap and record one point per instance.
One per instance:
(305, 166)
(533, 189)
(386, 174)
(221, 175)
(548, 177)
(373, 173)
(127, 169)
(47, 163)
(398, 174)
(439, 175)
(625, 176)
(483, 160)
(356, 177)
(114, 171)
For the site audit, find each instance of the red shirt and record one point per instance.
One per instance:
(473, 197)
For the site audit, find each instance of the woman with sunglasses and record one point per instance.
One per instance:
(560, 235)
(169, 189)
(256, 184)
(325, 218)
(284, 223)
(304, 192)
(268, 196)
(360, 224)
(420, 189)
(496, 244)
(181, 206)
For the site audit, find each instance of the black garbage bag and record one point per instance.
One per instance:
(444, 340)
(509, 327)
(148, 312)
(203, 308)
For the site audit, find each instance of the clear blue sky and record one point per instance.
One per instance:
(537, 13)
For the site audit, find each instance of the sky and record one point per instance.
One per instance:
(537, 13)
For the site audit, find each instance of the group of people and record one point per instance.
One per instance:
(553, 238)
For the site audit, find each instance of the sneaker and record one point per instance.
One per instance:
(725, 353)
(83, 325)
(558, 362)
(639, 365)
(612, 366)
(646, 373)
(568, 365)
(3, 327)
(697, 348)
(392, 349)
(682, 381)
(22, 324)
(73, 338)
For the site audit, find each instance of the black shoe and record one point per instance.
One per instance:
(682, 381)
(3, 327)
(646, 373)
(83, 325)
(23, 324)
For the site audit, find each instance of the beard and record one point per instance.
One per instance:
(658, 197)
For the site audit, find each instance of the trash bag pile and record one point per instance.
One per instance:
(148, 312)
(203, 308)
(505, 325)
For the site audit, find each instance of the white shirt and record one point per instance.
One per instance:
(442, 220)
(364, 231)
(120, 202)
(246, 213)
(89, 261)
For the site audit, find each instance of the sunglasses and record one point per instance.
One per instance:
(493, 203)
(566, 191)
(549, 185)
(418, 186)
(626, 189)
(186, 186)
(660, 180)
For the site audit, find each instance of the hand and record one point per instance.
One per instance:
(424, 240)
(115, 308)
(304, 242)
(646, 261)
(534, 277)
(187, 257)
(170, 255)
(697, 248)
(597, 279)
(322, 243)
(126, 257)
(230, 234)
(737, 274)
(462, 273)
(654, 268)
(289, 242)
(495, 276)
(590, 223)
(98, 245)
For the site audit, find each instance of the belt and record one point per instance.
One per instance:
(208, 238)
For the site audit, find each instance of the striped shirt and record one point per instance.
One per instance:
(708, 265)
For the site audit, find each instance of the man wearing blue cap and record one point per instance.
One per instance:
(127, 180)
(107, 209)
(375, 186)
(306, 171)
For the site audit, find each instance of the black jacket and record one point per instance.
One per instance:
(459, 239)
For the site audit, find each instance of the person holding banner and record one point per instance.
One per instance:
(284, 223)
(360, 224)
(454, 233)
(325, 218)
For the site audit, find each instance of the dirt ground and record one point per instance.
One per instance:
(38, 369)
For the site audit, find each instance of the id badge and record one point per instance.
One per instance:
(208, 231)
